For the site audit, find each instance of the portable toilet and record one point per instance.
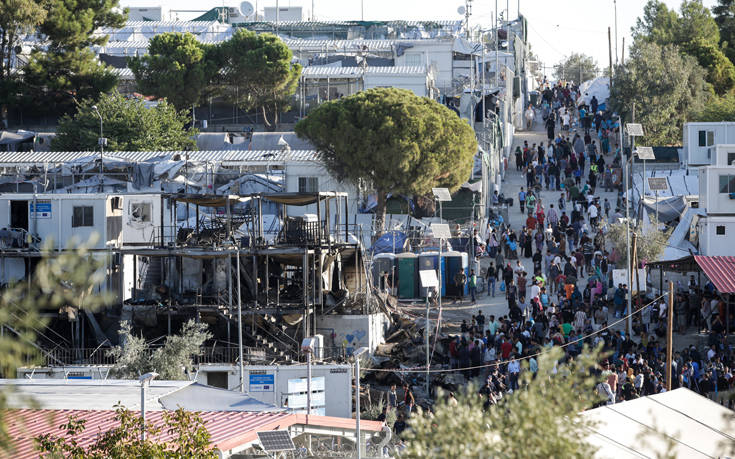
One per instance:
(454, 262)
(382, 263)
(430, 260)
(408, 277)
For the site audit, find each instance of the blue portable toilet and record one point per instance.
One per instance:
(382, 263)
(430, 260)
(454, 262)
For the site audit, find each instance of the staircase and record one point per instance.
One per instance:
(152, 275)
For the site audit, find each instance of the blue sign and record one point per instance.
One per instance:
(42, 209)
(262, 383)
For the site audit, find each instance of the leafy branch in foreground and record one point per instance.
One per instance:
(541, 419)
(189, 438)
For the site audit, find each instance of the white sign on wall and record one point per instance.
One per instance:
(620, 276)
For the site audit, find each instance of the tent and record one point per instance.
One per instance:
(599, 87)
(390, 242)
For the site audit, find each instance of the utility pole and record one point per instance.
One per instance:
(631, 266)
(497, 63)
(622, 53)
(615, 3)
(669, 336)
(609, 50)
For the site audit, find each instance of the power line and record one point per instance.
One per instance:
(497, 364)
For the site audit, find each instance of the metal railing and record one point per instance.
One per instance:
(100, 356)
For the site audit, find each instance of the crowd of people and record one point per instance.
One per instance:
(568, 297)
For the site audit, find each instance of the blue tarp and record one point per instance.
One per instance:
(388, 241)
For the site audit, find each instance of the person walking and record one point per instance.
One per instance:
(472, 284)
(530, 116)
(491, 277)
(550, 126)
(460, 279)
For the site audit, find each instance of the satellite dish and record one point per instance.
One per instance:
(461, 10)
(246, 8)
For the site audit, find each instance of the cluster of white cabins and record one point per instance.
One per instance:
(44, 203)
(701, 188)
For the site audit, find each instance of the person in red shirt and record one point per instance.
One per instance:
(531, 222)
(505, 349)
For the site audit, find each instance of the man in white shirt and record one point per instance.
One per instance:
(592, 211)
(535, 290)
(530, 115)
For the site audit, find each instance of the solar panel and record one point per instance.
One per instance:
(442, 194)
(428, 278)
(634, 129)
(658, 183)
(645, 153)
(276, 440)
(441, 230)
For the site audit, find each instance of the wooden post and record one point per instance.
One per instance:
(670, 336)
(632, 260)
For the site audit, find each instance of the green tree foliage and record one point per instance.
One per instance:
(128, 125)
(667, 87)
(170, 361)
(61, 280)
(190, 438)
(659, 24)
(694, 32)
(177, 67)
(649, 245)
(720, 70)
(724, 13)
(696, 23)
(257, 73)
(66, 67)
(17, 17)
(541, 419)
(574, 65)
(718, 109)
(393, 141)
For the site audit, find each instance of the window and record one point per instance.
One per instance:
(720, 230)
(730, 158)
(414, 59)
(140, 211)
(308, 184)
(82, 216)
(727, 183)
(706, 138)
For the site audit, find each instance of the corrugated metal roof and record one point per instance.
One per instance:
(227, 429)
(354, 72)
(338, 45)
(720, 270)
(442, 23)
(60, 394)
(55, 157)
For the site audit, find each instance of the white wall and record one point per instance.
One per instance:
(710, 197)
(434, 53)
(413, 82)
(352, 331)
(135, 230)
(338, 383)
(711, 243)
(58, 225)
(326, 183)
(722, 133)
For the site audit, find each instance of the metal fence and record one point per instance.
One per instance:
(100, 356)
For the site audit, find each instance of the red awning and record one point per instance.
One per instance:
(719, 270)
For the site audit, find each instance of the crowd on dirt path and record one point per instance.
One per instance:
(568, 299)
